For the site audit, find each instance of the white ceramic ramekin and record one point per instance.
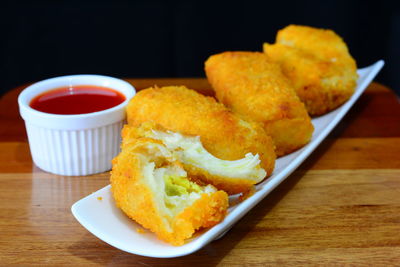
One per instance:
(80, 144)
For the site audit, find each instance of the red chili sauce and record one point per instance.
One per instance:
(78, 99)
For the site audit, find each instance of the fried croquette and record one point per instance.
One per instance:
(223, 134)
(318, 64)
(153, 189)
(254, 87)
(236, 176)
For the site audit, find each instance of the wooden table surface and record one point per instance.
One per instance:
(342, 206)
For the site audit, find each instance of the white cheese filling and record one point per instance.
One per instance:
(190, 150)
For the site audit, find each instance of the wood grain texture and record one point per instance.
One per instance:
(340, 207)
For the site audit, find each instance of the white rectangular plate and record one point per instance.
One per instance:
(98, 213)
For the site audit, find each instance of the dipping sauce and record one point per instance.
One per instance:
(77, 99)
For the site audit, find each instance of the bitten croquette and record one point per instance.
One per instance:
(153, 189)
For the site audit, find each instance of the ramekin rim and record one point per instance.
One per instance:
(25, 104)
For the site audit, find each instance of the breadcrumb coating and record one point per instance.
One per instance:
(222, 133)
(318, 63)
(253, 86)
(142, 195)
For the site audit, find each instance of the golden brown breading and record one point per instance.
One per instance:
(222, 133)
(319, 65)
(238, 176)
(152, 189)
(254, 87)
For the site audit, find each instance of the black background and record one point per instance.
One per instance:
(43, 39)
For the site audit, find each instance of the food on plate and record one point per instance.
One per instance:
(318, 63)
(232, 176)
(222, 133)
(253, 86)
(151, 186)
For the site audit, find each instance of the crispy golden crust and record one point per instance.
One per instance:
(130, 133)
(131, 194)
(135, 197)
(255, 88)
(318, 64)
(221, 132)
(207, 211)
(322, 42)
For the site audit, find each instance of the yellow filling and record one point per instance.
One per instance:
(178, 186)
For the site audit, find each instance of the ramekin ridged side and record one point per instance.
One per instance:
(74, 152)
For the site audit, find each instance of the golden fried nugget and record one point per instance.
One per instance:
(236, 176)
(318, 64)
(152, 188)
(254, 87)
(222, 133)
